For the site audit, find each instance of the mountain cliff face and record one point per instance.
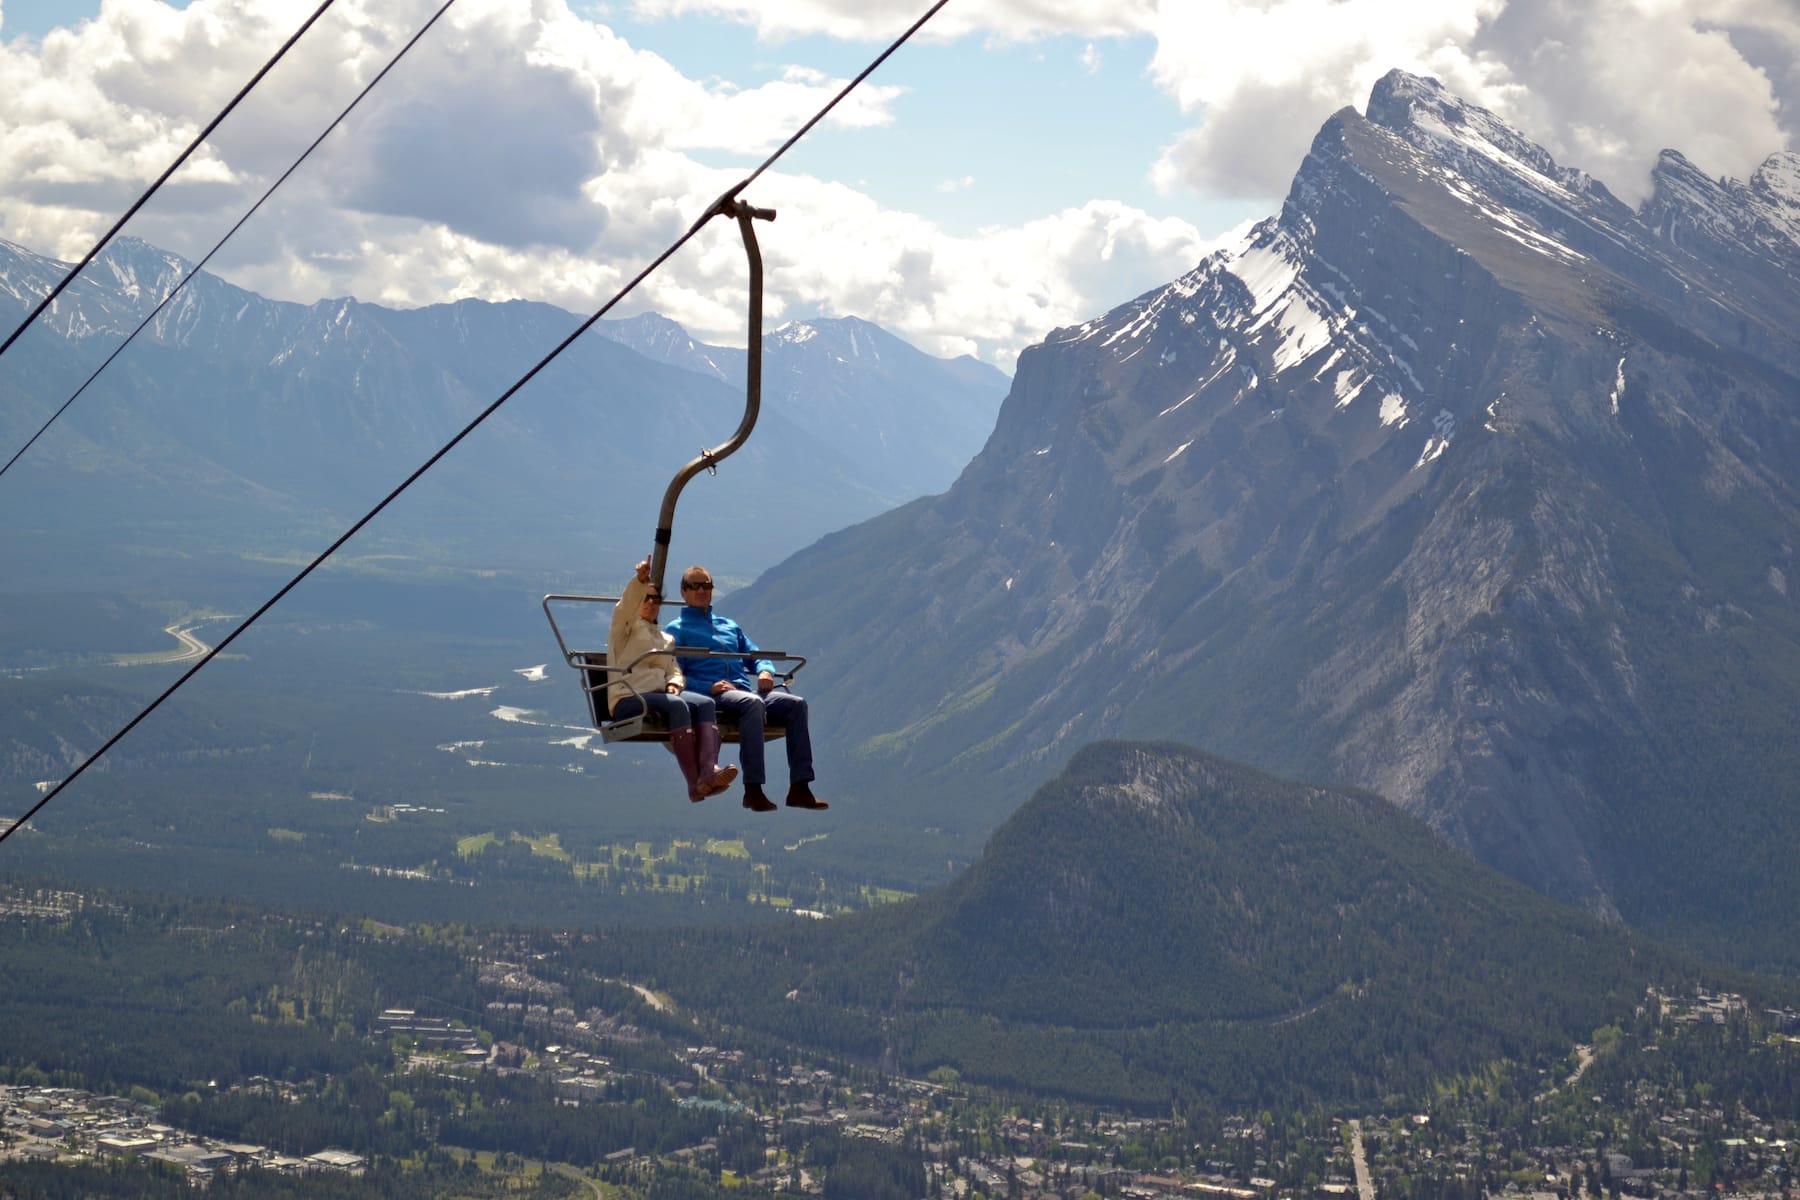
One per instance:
(1457, 480)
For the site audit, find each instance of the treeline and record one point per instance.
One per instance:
(583, 1136)
(175, 996)
(360, 1111)
(860, 1169)
(1748, 1064)
(255, 847)
(246, 792)
(1329, 951)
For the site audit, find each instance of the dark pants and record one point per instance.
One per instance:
(678, 711)
(782, 708)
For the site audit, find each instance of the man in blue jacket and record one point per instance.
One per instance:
(729, 683)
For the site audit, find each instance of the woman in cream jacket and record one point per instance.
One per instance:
(656, 683)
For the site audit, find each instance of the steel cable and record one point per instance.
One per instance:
(194, 145)
(722, 204)
(196, 268)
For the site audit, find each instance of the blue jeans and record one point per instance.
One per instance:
(784, 709)
(678, 711)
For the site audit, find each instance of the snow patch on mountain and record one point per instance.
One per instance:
(1303, 330)
(1266, 271)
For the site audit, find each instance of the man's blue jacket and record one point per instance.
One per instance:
(704, 629)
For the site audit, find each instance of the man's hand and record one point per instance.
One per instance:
(720, 688)
(643, 571)
(765, 683)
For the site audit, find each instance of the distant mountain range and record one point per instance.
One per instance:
(1157, 925)
(1458, 480)
(239, 425)
(912, 422)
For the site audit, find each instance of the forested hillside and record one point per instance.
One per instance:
(1158, 924)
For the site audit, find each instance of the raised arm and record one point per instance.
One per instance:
(626, 610)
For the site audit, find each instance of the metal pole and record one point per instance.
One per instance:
(708, 459)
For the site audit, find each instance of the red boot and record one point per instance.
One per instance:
(684, 743)
(713, 778)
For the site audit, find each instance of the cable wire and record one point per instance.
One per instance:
(848, 88)
(721, 205)
(164, 177)
(196, 268)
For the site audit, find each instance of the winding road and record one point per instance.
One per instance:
(183, 632)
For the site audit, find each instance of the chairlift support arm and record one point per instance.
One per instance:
(709, 459)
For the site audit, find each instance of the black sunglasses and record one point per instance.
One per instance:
(699, 587)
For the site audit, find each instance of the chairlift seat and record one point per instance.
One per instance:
(645, 726)
(597, 673)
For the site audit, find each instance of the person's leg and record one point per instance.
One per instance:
(747, 707)
(670, 708)
(789, 711)
(681, 739)
(713, 778)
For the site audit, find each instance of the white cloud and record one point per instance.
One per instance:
(990, 294)
(1604, 85)
(957, 185)
(1608, 86)
(1261, 75)
(858, 20)
(525, 150)
(519, 151)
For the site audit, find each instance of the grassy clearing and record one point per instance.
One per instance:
(547, 846)
(469, 847)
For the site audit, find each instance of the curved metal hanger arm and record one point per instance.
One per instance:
(709, 459)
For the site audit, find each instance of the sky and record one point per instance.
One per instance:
(1022, 165)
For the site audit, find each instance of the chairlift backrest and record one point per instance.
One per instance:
(597, 673)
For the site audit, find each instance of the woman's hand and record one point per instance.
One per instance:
(643, 570)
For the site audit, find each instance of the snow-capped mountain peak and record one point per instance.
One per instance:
(657, 337)
(1777, 182)
(139, 270)
(1726, 223)
(841, 337)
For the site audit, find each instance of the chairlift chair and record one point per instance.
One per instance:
(596, 672)
(646, 726)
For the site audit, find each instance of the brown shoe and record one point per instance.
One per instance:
(755, 801)
(800, 796)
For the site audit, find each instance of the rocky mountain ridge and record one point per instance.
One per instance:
(254, 424)
(1457, 480)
